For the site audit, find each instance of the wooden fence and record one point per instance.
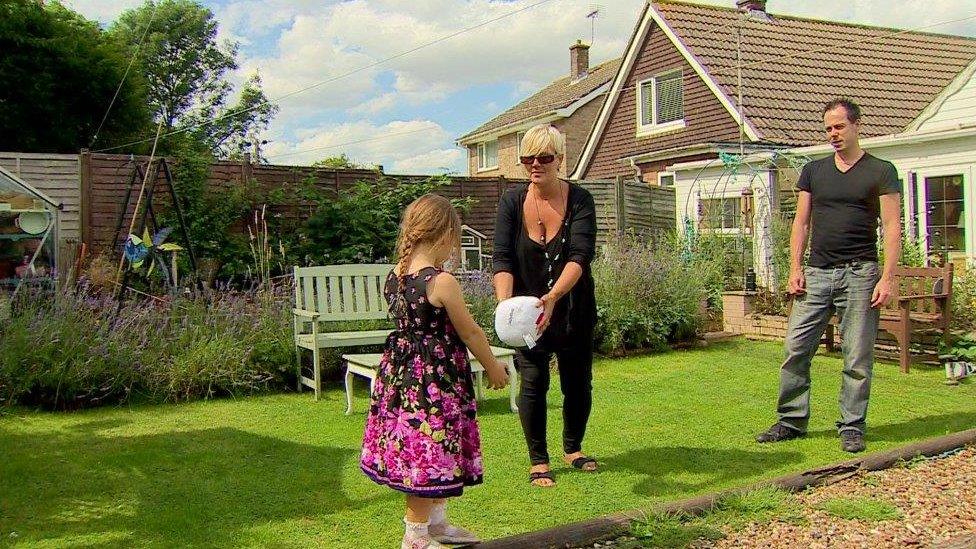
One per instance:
(92, 188)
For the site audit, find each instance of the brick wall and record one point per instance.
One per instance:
(740, 317)
(576, 128)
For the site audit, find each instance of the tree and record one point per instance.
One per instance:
(235, 126)
(337, 162)
(60, 73)
(186, 73)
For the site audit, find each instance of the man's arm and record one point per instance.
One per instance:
(891, 234)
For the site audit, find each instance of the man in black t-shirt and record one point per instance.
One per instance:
(839, 201)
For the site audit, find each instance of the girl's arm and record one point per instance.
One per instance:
(446, 293)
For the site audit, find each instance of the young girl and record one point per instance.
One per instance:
(421, 431)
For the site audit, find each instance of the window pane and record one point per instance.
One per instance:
(944, 214)
(647, 102)
(471, 259)
(669, 100)
(666, 180)
(491, 153)
(720, 213)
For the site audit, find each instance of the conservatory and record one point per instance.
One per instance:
(28, 237)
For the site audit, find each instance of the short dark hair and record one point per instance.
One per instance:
(853, 110)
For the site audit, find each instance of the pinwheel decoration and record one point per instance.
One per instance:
(150, 250)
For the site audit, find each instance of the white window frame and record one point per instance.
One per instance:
(921, 198)
(723, 231)
(654, 128)
(662, 175)
(482, 156)
(518, 143)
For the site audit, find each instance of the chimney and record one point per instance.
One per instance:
(751, 5)
(579, 60)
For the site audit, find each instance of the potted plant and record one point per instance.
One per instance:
(959, 356)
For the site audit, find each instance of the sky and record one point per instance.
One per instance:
(396, 82)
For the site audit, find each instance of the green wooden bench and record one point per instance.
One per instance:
(366, 365)
(336, 293)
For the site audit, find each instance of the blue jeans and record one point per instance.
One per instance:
(847, 291)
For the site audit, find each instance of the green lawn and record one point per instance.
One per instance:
(281, 471)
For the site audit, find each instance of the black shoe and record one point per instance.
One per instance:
(852, 441)
(778, 433)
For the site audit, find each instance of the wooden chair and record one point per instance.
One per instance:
(922, 302)
(336, 293)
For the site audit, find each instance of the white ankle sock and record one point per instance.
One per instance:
(438, 514)
(415, 530)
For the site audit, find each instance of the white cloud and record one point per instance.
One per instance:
(406, 146)
(439, 161)
(326, 43)
(102, 10)
(297, 44)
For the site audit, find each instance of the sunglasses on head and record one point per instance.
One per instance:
(542, 158)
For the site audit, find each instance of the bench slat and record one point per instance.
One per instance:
(347, 299)
(358, 284)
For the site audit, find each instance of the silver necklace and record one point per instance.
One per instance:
(538, 211)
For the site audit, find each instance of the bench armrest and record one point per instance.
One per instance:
(311, 315)
(922, 296)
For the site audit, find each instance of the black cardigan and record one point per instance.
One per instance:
(575, 314)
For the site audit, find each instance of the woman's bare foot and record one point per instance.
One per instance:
(580, 461)
(539, 475)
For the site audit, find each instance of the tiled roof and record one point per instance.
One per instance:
(555, 96)
(792, 66)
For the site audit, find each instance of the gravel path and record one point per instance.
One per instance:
(936, 499)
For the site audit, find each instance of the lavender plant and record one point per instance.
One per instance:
(71, 350)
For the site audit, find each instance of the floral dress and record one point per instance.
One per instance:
(422, 433)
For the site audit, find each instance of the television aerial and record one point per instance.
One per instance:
(592, 15)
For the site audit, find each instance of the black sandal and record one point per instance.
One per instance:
(580, 463)
(536, 475)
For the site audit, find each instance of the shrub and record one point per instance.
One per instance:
(964, 301)
(648, 296)
(72, 350)
(479, 294)
(361, 224)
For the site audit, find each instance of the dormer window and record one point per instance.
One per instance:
(660, 103)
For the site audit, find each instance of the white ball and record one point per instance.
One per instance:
(515, 321)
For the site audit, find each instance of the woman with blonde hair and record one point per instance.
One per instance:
(545, 238)
(422, 436)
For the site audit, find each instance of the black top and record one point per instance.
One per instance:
(514, 252)
(845, 208)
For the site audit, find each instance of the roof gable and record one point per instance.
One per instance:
(564, 93)
(791, 66)
(955, 105)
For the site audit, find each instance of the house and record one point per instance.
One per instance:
(935, 157)
(570, 103)
(725, 104)
(677, 95)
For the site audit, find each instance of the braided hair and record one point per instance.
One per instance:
(425, 221)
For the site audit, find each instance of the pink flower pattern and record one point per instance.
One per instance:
(421, 433)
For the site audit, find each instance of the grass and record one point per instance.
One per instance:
(282, 470)
(672, 531)
(734, 511)
(866, 509)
